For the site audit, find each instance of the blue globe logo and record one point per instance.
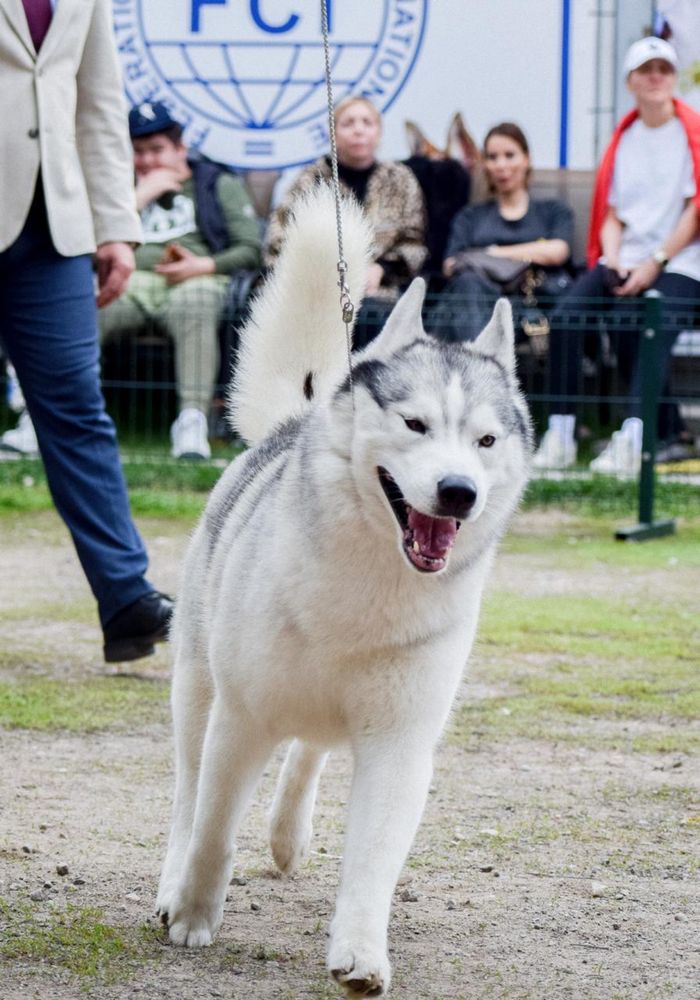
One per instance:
(247, 77)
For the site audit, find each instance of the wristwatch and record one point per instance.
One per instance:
(660, 257)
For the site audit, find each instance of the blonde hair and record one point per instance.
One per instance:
(347, 102)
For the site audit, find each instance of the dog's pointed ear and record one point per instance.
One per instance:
(497, 339)
(403, 326)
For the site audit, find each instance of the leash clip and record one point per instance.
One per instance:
(348, 309)
(346, 305)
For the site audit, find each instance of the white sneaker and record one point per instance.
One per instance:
(189, 435)
(555, 452)
(15, 398)
(621, 457)
(21, 438)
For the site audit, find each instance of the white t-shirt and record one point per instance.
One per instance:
(161, 224)
(652, 179)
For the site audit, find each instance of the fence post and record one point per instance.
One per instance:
(647, 527)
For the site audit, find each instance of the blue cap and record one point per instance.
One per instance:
(148, 118)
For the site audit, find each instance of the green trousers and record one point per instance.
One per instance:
(189, 312)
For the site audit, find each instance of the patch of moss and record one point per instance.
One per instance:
(75, 938)
(558, 666)
(82, 706)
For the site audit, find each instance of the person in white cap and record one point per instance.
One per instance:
(644, 233)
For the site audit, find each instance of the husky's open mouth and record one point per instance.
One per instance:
(426, 540)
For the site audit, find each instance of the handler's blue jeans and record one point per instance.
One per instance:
(48, 324)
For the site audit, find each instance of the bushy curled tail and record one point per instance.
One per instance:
(293, 346)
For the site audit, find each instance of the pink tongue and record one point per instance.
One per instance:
(435, 535)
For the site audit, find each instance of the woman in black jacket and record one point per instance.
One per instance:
(523, 243)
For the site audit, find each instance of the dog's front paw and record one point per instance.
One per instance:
(193, 932)
(361, 969)
(192, 923)
(164, 900)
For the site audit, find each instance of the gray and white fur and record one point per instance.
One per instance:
(331, 591)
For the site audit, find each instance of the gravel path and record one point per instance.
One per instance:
(541, 870)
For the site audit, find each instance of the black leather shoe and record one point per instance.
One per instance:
(134, 630)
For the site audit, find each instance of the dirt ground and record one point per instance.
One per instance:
(542, 870)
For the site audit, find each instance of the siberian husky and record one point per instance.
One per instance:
(331, 590)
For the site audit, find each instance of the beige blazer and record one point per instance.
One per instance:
(63, 110)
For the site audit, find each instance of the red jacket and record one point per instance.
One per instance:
(689, 119)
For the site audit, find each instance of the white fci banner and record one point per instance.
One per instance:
(683, 18)
(246, 77)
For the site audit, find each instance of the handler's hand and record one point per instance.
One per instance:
(115, 262)
(640, 278)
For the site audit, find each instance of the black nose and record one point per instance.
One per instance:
(456, 496)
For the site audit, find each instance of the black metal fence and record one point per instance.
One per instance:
(597, 360)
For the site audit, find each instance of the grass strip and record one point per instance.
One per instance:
(598, 671)
(82, 706)
(163, 487)
(76, 939)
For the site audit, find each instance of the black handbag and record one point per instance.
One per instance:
(505, 272)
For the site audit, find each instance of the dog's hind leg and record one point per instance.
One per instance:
(192, 694)
(292, 809)
(236, 750)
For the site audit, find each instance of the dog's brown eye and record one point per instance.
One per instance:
(415, 425)
(487, 441)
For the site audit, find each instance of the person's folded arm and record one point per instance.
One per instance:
(611, 239)
(645, 274)
(406, 254)
(546, 253)
(685, 231)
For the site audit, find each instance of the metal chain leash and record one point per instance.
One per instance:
(346, 304)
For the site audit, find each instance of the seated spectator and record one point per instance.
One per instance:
(643, 234)
(510, 244)
(199, 227)
(393, 202)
